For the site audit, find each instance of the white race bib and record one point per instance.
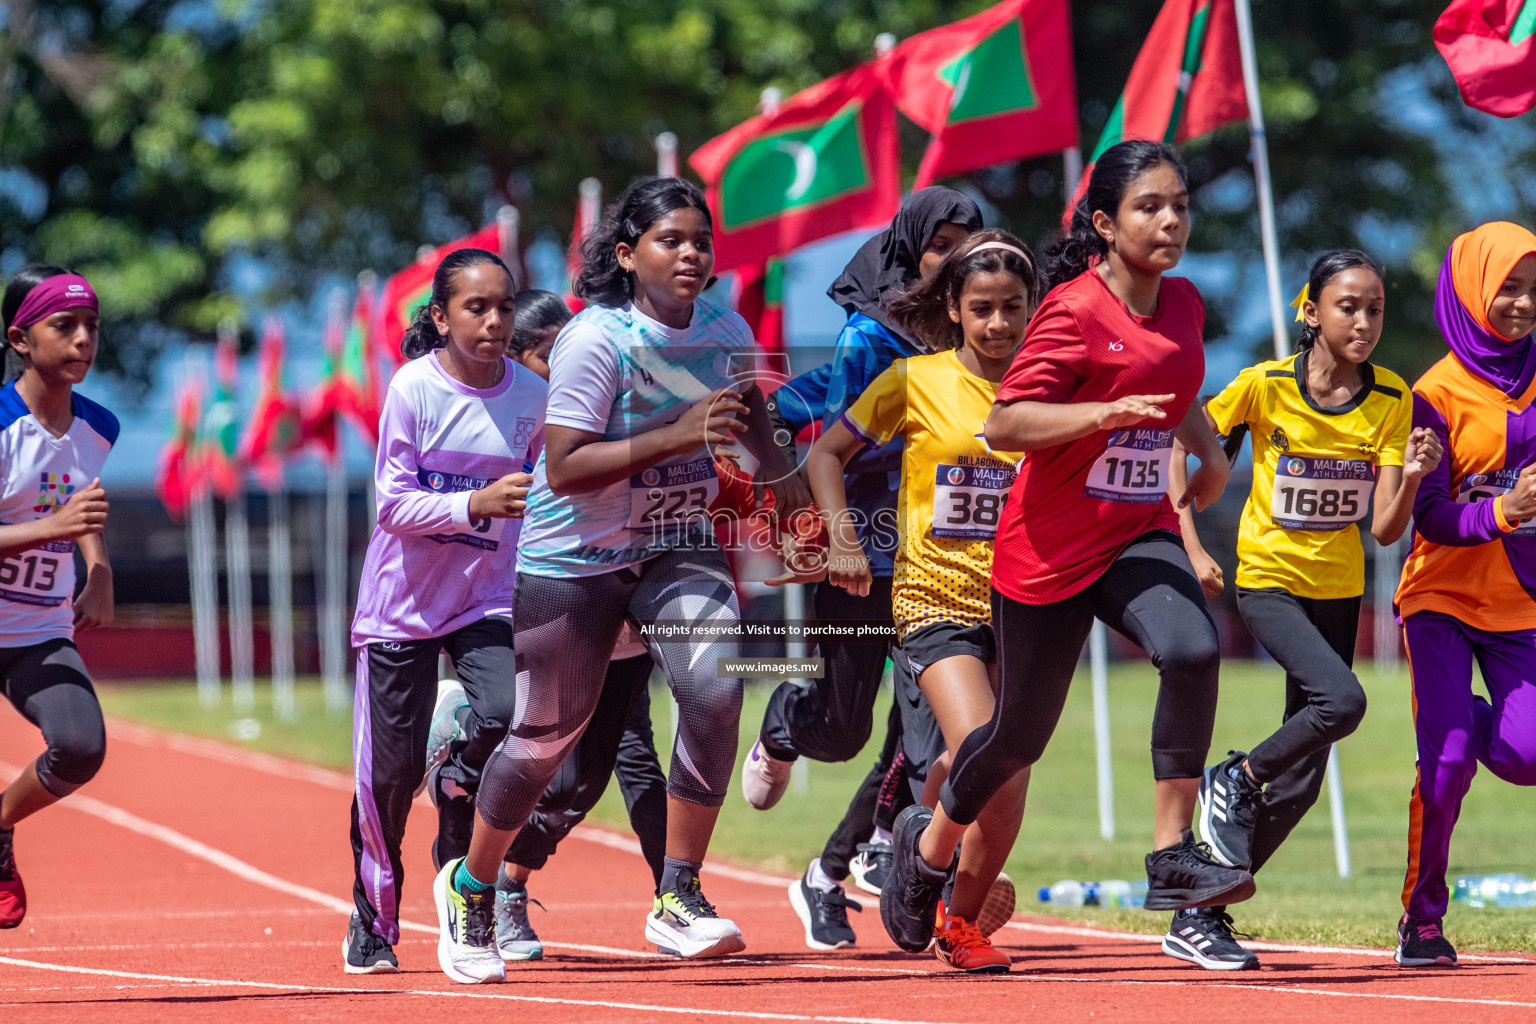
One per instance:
(1320, 494)
(35, 576)
(672, 493)
(1484, 486)
(968, 499)
(484, 533)
(1134, 468)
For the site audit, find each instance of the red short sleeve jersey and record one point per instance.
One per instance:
(1055, 537)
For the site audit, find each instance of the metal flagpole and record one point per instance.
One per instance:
(1071, 170)
(508, 222)
(205, 596)
(280, 603)
(1389, 566)
(794, 611)
(1098, 658)
(666, 155)
(237, 568)
(1259, 147)
(333, 608)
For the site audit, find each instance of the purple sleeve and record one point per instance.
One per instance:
(404, 505)
(1436, 515)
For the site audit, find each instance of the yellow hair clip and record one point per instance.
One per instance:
(1301, 300)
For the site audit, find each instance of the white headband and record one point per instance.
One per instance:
(984, 246)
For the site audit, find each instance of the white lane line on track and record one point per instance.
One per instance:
(269, 764)
(235, 866)
(454, 994)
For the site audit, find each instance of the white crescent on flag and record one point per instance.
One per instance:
(805, 167)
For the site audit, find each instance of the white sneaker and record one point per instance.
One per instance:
(445, 727)
(466, 937)
(764, 778)
(686, 925)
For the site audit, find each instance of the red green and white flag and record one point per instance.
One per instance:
(822, 162)
(995, 87)
(177, 474)
(1491, 48)
(321, 410)
(220, 436)
(411, 288)
(1187, 80)
(589, 201)
(760, 301)
(272, 432)
(358, 367)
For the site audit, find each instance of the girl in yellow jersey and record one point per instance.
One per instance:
(972, 313)
(1331, 433)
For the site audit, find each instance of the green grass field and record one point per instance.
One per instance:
(1301, 898)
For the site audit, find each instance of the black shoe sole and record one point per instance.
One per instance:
(1189, 899)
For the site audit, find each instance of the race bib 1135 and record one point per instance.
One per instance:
(1133, 468)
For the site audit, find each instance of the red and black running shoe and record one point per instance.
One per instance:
(13, 895)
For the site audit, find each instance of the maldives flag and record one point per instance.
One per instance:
(272, 432)
(760, 301)
(997, 86)
(412, 287)
(1490, 47)
(822, 162)
(357, 370)
(589, 201)
(220, 438)
(1187, 80)
(177, 476)
(321, 410)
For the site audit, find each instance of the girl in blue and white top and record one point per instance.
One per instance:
(53, 443)
(642, 383)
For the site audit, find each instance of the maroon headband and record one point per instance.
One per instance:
(52, 294)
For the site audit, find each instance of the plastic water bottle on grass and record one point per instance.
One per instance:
(1504, 890)
(1116, 892)
(1066, 893)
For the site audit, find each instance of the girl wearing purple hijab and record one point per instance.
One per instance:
(1469, 587)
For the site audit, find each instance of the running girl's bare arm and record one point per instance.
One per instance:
(1206, 568)
(94, 606)
(578, 461)
(847, 565)
(1028, 426)
(790, 492)
(1397, 487)
(85, 513)
(1196, 435)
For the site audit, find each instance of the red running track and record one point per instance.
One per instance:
(195, 881)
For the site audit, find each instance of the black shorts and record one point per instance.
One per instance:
(933, 643)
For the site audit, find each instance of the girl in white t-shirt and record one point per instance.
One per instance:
(53, 443)
(642, 384)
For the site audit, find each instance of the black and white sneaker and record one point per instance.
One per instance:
(910, 898)
(1229, 806)
(871, 866)
(1423, 944)
(363, 952)
(1204, 937)
(824, 912)
(1185, 876)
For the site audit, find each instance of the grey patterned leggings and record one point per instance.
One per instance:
(564, 632)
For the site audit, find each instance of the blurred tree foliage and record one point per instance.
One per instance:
(163, 145)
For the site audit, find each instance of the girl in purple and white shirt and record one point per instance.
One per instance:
(460, 423)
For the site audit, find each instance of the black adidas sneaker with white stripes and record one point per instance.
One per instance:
(1204, 937)
(1229, 806)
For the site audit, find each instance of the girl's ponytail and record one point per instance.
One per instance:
(422, 336)
(1080, 249)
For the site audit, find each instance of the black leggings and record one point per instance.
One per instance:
(48, 684)
(830, 719)
(1314, 641)
(1149, 594)
(618, 742)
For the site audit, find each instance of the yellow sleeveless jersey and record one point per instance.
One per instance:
(1314, 470)
(952, 486)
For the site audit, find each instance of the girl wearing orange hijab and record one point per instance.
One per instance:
(1469, 587)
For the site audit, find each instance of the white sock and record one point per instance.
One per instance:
(817, 878)
(881, 836)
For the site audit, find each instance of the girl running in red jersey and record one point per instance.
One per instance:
(1107, 375)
